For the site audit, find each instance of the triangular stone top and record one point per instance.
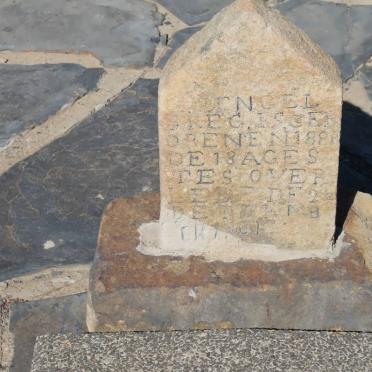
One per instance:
(249, 125)
(249, 32)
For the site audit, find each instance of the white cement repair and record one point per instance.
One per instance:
(179, 235)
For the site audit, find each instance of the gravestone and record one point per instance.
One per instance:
(249, 126)
(241, 232)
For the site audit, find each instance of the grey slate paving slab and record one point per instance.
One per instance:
(344, 32)
(195, 11)
(359, 44)
(226, 350)
(327, 24)
(120, 32)
(59, 193)
(365, 76)
(5, 342)
(31, 319)
(30, 94)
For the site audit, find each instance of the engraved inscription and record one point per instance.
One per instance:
(242, 146)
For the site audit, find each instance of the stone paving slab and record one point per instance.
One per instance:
(359, 44)
(31, 94)
(344, 32)
(51, 203)
(365, 75)
(226, 350)
(196, 11)
(119, 32)
(31, 319)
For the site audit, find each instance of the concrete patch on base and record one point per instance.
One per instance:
(179, 235)
(132, 291)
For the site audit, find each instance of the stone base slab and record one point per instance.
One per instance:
(132, 291)
(239, 350)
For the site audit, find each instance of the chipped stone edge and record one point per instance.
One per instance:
(91, 318)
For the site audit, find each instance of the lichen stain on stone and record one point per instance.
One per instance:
(100, 287)
(221, 324)
(178, 267)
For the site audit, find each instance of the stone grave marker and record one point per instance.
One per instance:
(249, 126)
(241, 232)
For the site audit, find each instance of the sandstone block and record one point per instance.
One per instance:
(249, 126)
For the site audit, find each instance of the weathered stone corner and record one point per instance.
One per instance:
(358, 226)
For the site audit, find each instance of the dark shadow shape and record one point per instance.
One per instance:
(355, 165)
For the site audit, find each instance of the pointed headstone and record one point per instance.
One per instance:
(249, 122)
(249, 126)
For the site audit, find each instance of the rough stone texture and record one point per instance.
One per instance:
(351, 2)
(178, 39)
(31, 319)
(359, 225)
(225, 350)
(5, 337)
(30, 94)
(344, 32)
(51, 203)
(120, 32)
(249, 123)
(131, 291)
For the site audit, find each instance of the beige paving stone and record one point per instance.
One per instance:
(249, 122)
(33, 58)
(48, 283)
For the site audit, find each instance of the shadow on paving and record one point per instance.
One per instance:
(355, 166)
